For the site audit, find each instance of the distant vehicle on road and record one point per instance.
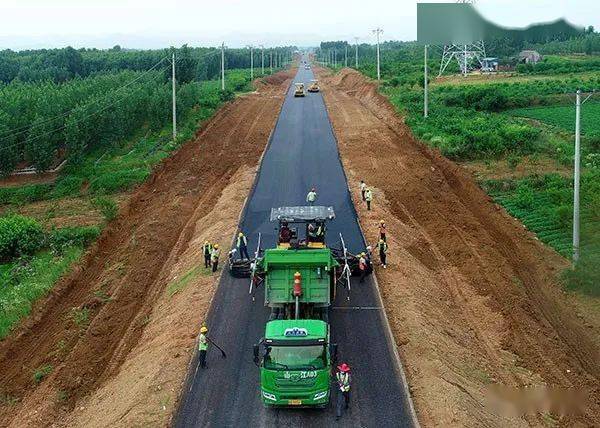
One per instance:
(299, 91)
(314, 86)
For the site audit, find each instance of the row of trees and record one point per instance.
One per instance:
(43, 120)
(61, 65)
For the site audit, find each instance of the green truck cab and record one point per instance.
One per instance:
(296, 362)
(295, 356)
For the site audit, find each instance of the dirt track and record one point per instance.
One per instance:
(121, 285)
(470, 294)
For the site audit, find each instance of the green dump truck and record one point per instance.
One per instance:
(300, 275)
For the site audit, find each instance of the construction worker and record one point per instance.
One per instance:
(368, 198)
(207, 250)
(202, 346)
(362, 266)
(382, 247)
(363, 189)
(343, 380)
(214, 257)
(285, 234)
(311, 197)
(382, 230)
(242, 246)
(320, 232)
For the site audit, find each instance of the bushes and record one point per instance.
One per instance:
(585, 277)
(24, 236)
(19, 236)
(107, 207)
(81, 236)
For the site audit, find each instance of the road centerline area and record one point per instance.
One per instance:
(302, 154)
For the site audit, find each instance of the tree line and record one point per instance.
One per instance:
(61, 65)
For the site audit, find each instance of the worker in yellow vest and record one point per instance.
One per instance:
(207, 251)
(202, 346)
(343, 380)
(242, 246)
(214, 257)
(382, 247)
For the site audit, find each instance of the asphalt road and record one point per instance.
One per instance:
(302, 154)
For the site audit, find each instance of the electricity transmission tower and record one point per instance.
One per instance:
(468, 56)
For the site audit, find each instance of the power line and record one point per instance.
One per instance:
(64, 126)
(24, 129)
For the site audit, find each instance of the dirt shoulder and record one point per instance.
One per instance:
(471, 296)
(118, 333)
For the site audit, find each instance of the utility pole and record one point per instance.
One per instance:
(251, 62)
(262, 58)
(334, 58)
(223, 66)
(425, 88)
(377, 32)
(356, 55)
(465, 62)
(174, 98)
(271, 60)
(346, 56)
(577, 178)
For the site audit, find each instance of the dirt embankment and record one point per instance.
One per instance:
(471, 295)
(118, 332)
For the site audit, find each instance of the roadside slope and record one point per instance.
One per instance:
(471, 296)
(113, 309)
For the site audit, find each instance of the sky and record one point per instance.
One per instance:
(155, 24)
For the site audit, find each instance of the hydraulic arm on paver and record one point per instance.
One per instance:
(300, 277)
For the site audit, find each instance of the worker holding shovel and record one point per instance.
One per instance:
(343, 381)
(203, 341)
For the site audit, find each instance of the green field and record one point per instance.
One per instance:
(46, 226)
(564, 116)
(486, 119)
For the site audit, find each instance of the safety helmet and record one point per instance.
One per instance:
(216, 245)
(240, 234)
(382, 222)
(345, 368)
(381, 241)
(206, 242)
(203, 329)
(313, 189)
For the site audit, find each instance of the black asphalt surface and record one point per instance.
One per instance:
(302, 154)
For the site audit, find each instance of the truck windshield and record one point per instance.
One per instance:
(295, 357)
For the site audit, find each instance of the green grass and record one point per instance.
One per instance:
(180, 283)
(99, 175)
(564, 116)
(23, 282)
(41, 372)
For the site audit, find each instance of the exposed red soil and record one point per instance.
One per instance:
(472, 296)
(121, 282)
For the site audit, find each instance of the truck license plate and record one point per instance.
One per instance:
(294, 402)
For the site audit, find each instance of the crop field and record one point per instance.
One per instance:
(564, 116)
(486, 119)
(111, 122)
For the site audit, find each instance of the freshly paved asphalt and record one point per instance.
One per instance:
(302, 154)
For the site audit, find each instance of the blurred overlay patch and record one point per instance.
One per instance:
(460, 24)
